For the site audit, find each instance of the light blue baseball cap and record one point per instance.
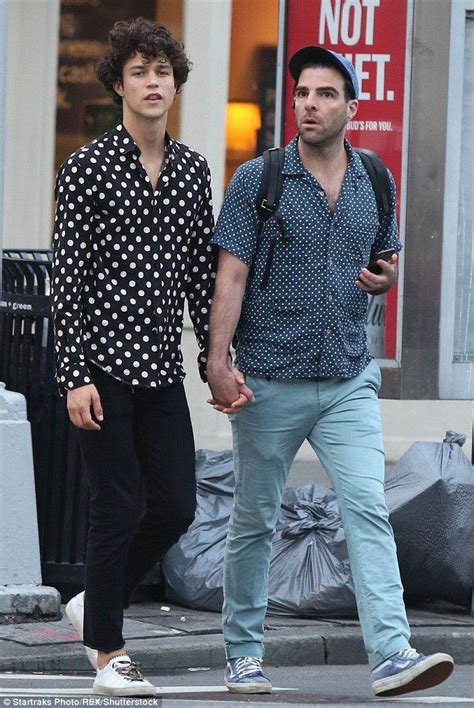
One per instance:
(310, 54)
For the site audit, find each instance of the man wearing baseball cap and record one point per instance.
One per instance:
(304, 371)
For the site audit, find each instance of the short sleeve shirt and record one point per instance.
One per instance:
(309, 320)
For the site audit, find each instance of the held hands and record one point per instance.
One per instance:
(83, 406)
(229, 391)
(378, 284)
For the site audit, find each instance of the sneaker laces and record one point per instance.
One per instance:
(247, 666)
(130, 670)
(408, 653)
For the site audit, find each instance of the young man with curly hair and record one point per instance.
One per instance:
(131, 244)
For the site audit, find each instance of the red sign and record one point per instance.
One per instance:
(372, 34)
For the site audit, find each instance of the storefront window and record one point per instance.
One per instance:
(252, 78)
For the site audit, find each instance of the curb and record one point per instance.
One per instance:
(282, 648)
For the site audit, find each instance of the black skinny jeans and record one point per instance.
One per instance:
(146, 434)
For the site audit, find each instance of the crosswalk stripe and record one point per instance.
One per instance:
(160, 690)
(427, 699)
(169, 690)
(45, 677)
(45, 691)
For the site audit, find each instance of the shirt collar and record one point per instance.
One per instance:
(355, 168)
(294, 166)
(125, 143)
(123, 140)
(355, 164)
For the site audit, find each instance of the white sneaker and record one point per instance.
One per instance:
(122, 677)
(75, 612)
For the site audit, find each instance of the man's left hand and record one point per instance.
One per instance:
(379, 284)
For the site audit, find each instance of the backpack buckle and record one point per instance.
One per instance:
(264, 205)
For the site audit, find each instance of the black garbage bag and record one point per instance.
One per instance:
(430, 496)
(309, 568)
(310, 574)
(193, 567)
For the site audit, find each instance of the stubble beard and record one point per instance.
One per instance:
(324, 139)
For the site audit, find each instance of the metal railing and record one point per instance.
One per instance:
(27, 366)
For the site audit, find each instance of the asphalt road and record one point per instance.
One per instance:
(201, 688)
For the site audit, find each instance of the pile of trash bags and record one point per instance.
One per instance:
(309, 569)
(430, 496)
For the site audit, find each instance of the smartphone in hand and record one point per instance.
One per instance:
(381, 255)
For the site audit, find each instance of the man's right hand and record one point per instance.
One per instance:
(229, 390)
(82, 402)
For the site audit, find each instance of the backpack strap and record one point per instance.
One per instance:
(379, 178)
(271, 185)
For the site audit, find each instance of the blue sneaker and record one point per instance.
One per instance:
(408, 671)
(244, 675)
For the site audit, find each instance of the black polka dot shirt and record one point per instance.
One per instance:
(309, 322)
(126, 257)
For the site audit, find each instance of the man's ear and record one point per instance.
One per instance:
(352, 107)
(118, 88)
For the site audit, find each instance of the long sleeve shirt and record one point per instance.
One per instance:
(126, 257)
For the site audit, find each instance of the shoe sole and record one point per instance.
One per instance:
(77, 623)
(428, 673)
(247, 688)
(129, 692)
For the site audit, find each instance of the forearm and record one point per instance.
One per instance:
(228, 388)
(226, 307)
(72, 248)
(202, 268)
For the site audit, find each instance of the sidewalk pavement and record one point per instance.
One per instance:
(166, 637)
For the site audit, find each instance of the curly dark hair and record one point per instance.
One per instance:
(148, 38)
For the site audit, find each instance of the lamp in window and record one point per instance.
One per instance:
(242, 123)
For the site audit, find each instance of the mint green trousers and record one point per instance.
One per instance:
(341, 420)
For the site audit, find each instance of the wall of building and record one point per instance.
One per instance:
(32, 51)
(205, 94)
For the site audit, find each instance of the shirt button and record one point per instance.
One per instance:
(328, 331)
(321, 193)
(330, 297)
(330, 262)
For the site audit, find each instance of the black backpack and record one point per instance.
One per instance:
(271, 185)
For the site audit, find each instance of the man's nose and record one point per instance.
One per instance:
(311, 102)
(152, 79)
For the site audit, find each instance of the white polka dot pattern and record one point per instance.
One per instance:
(126, 256)
(309, 322)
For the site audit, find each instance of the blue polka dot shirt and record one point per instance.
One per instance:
(309, 321)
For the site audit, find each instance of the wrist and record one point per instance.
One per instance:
(380, 291)
(218, 363)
